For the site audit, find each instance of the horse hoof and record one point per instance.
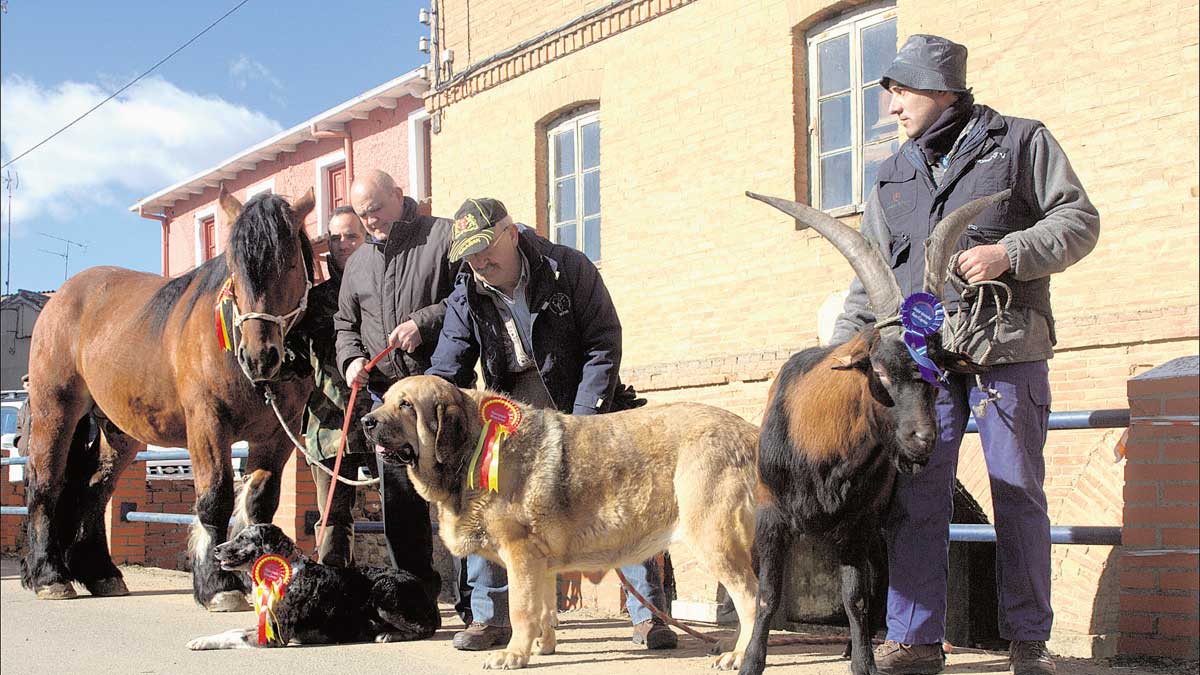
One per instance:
(228, 601)
(57, 592)
(113, 586)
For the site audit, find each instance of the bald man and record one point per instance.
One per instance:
(393, 293)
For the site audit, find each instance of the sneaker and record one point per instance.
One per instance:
(897, 658)
(654, 634)
(480, 636)
(1030, 657)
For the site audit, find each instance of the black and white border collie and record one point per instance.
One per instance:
(324, 604)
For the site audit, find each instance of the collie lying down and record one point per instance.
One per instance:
(323, 604)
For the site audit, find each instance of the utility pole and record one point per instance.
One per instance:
(11, 182)
(66, 254)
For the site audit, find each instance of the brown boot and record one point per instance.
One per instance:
(480, 636)
(897, 658)
(1030, 657)
(654, 634)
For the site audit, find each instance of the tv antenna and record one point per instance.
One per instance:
(11, 182)
(66, 252)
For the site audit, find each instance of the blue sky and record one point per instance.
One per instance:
(268, 66)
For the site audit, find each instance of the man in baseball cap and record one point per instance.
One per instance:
(538, 316)
(475, 226)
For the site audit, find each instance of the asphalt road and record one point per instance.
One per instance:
(146, 633)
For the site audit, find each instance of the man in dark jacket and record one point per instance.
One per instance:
(958, 151)
(541, 318)
(327, 405)
(393, 294)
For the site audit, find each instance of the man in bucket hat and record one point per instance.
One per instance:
(956, 151)
(540, 319)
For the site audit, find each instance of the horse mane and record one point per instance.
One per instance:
(207, 278)
(258, 244)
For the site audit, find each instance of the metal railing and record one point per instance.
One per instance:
(1108, 535)
(132, 516)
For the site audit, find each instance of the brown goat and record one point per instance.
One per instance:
(840, 422)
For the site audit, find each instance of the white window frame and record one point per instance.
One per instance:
(573, 120)
(198, 226)
(324, 163)
(848, 24)
(418, 134)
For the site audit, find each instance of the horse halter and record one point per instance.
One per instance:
(284, 321)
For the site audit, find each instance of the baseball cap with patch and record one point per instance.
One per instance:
(475, 226)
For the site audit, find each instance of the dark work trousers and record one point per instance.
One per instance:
(405, 516)
(337, 548)
(1013, 435)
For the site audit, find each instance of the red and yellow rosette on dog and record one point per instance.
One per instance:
(271, 574)
(500, 418)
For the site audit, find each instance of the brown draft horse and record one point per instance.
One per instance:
(140, 352)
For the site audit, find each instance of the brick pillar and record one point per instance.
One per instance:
(1160, 563)
(127, 541)
(297, 496)
(12, 493)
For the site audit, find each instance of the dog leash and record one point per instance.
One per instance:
(337, 463)
(777, 641)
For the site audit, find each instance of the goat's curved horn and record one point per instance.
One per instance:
(943, 241)
(872, 270)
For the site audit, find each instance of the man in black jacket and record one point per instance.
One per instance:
(393, 294)
(541, 318)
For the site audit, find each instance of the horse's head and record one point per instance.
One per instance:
(270, 260)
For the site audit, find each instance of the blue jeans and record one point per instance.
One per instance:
(1013, 435)
(489, 590)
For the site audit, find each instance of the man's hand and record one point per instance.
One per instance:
(357, 372)
(983, 263)
(406, 336)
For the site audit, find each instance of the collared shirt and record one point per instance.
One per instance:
(518, 321)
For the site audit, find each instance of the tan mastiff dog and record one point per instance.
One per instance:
(579, 493)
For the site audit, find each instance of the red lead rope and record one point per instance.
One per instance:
(337, 464)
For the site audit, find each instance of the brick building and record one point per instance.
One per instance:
(631, 130)
(384, 128)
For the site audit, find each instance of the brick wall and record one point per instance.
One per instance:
(12, 528)
(166, 545)
(1160, 563)
(702, 100)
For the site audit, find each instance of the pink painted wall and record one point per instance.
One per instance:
(380, 142)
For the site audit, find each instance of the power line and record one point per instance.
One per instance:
(131, 83)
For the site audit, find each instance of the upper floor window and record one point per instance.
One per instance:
(574, 190)
(208, 237)
(335, 187)
(852, 132)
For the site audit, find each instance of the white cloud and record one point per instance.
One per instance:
(149, 137)
(245, 71)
